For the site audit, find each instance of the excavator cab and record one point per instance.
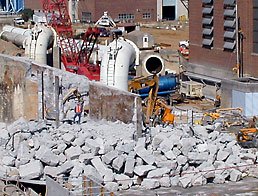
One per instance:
(248, 137)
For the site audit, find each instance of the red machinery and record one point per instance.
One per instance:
(74, 58)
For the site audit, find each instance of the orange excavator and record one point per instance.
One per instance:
(155, 110)
(248, 137)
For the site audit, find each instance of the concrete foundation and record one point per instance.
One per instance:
(112, 104)
(241, 92)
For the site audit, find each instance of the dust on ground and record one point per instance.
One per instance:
(174, 33)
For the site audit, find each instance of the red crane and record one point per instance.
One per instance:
(74, 58)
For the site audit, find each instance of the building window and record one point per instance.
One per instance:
(207, 24)
(255, 28)
(126, 17)
(146, 15)
(86, 16)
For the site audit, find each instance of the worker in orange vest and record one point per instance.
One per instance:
(78, 112)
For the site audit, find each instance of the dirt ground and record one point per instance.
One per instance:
(165, 37)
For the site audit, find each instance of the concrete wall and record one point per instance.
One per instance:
(18, 94)
(35, 92)
(113, 104)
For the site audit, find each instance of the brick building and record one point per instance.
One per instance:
(125, 11)
(213, 37)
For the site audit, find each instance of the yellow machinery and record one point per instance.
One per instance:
(154, 108)
(248, 137)
(211, 117)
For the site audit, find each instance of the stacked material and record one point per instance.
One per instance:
(107, 153)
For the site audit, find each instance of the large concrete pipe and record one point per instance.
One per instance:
(12, 29)
(17, 39)
(116, 62)
(38, 43)
(153, 64)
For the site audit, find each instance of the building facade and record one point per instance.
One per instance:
(216, 49)
(125, 11)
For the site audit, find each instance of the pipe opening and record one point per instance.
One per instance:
(154, 65)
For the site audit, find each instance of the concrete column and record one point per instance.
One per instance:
(57, 100)
(57, 57)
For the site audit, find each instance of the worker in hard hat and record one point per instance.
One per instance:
(78, 112)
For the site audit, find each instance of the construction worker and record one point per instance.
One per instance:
(78, 112)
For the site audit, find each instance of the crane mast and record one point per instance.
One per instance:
(74, 58)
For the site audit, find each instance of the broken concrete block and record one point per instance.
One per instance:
(93, 145)
(138, 161)
(157, 173)
(248, 156)
(8, 160)
(110, 156)
(169, 164)
(141, 142)
(233, 159)
(76, 171)
(127, 148)
(235, 175)
(20, 124)
(100, 167)
(65, 168)
(143, 169)
(165, 181)
(181, 160)
(111, 186)
(166, 145)
(222, 155)
(174, 180)
(68, 138)
(202, 147)
(79, 141)
(158, 139)
(73, 152)
(185, 180)
(92, 173)
(146, 155)
(219, 179)
(200, 131)
(187, 145)
(86, 158)
(150, 183)
(197, 158)
(129, 166)
(198, 180)
(170, 155)
(51, 171)
(176, 151)
(32, 170)
(124, 181)
(62, 158)
(45, 155)
(118, 162)
(109, 176)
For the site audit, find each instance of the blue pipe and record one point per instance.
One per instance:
(159, 93)
(166, 83)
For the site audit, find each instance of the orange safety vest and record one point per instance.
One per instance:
(78, 109)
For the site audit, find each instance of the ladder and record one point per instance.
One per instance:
(33, 49)
(111, 72)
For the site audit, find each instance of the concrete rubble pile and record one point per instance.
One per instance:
(106, 152)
